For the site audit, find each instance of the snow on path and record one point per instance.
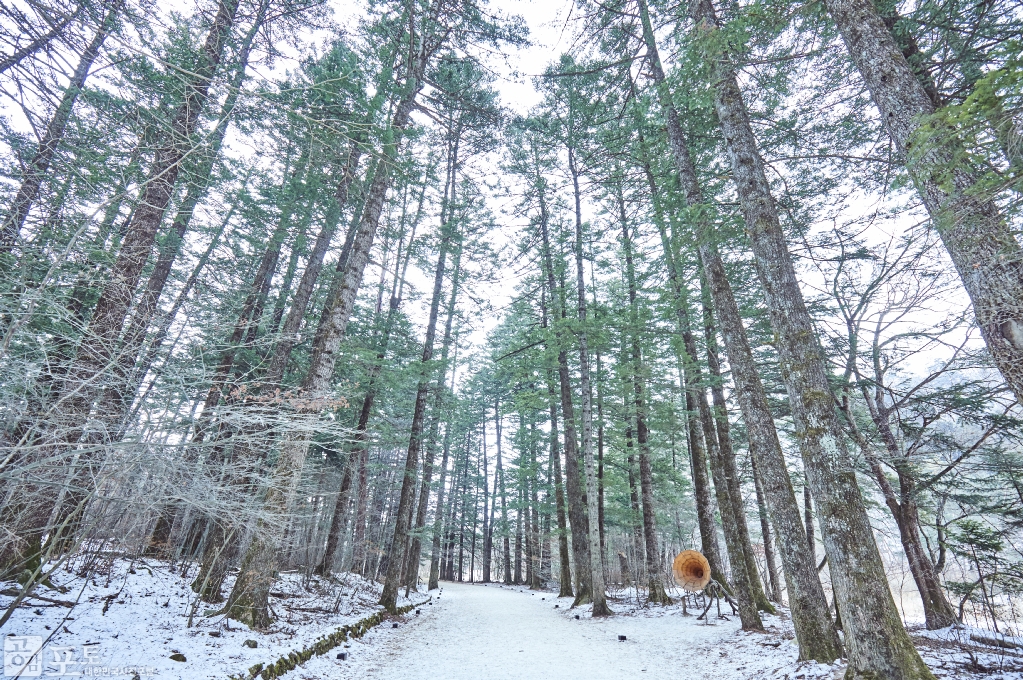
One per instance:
(505, 633)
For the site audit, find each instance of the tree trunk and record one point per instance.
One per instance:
(877, 642)
(415, 550)
(300, 301)
(118, 395)
(389, 598)
(986, 253)
(499, 479)
(655, 588)
(565, 573)
(765, 532)
(577, 508)
(728, 453)
(598, 590)
(810, 614)
(248, 600)
(37, 168)
(85, 376)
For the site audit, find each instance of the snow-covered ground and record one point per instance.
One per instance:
(468, 632)
(134, 617)
(510, 633)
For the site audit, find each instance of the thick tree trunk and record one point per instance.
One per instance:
(248, 602)
(655, 588)
(84, 379)
(877, 642)
(811, 618)
(300, 300)
(811, 542)
(598, 590)
(577, 508)
(986, 253)
(120, 393)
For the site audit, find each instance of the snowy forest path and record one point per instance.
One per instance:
(511, 633)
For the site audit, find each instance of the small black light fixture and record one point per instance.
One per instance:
(543, 598)
(394, 625)
(621, 638)
(342, 656)
(556, 606)
(576, 617)
(417, 612)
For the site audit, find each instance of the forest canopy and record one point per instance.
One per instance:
(291, 286)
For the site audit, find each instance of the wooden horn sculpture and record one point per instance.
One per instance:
(691, 570)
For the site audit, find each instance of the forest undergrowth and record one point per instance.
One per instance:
(309, 308)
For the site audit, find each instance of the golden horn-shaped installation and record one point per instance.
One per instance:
(691, 570)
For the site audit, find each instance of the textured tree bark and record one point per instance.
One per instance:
(765, 531)
(84, 377)
(597, 588)
(577, 512)
(403, 519)
(728, 507)
(37, 168)
(300, 300)
(731, 473)
(119, 394)
(810, 614)
(248, 601)
(986, 253)
(877, 642)
(811, 542)
(655, 586)
(108, 318)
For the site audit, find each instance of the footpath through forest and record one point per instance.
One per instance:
(511, 633)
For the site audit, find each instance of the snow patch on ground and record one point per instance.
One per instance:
(512, 633)
(131, 617)
(468, 632)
